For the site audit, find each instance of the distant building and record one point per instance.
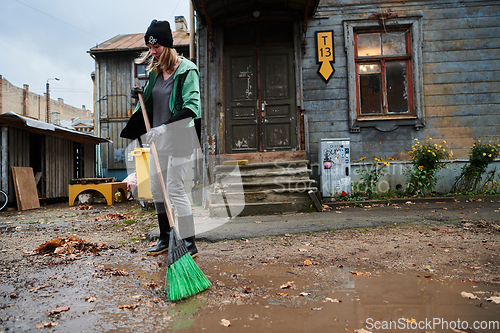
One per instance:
(28, 104)
(79, 125)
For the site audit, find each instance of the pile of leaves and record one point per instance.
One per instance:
(69, 245)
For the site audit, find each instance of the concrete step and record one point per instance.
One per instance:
(281, 166)
(263, 208)
(283, 185)
(257, 176)
(272, 195)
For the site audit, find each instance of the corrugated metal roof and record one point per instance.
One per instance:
(136, 41)
(14, 119)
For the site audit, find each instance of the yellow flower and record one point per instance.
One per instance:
(484, 154)
(493, 150)
(415, 139)
(428, 151)
(489, 155)
(478, 140)
(444, 142)
(440, 147)
(430, 138)
(390, 159)
(421, 167)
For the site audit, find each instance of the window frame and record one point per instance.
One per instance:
(386, 122)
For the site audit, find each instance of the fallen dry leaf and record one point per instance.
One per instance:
(360, 273)
(47, 324)
(307, 262)
(333, 300)
(281, 294)
(129, 306)
(38, 288)
(288, 285)
(304, 294)
(58, 310)
(468, 295)
(151, 284)
(225, 322)
(495, 299)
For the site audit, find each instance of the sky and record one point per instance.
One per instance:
(43, 40)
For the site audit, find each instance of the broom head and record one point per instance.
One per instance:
(184, 278)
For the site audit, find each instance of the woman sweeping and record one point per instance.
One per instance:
(172, 99)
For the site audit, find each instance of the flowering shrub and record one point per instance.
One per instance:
(480, 156)
(426, 159)
(370, 176)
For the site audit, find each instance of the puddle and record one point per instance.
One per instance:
(259, 297)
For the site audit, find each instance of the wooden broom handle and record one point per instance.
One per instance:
(154, 152)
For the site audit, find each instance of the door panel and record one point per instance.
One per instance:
(241, 102)
(278, 95)
(260, 100)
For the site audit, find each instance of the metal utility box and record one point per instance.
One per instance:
(335, 167)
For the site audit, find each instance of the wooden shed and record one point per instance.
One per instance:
(56, 154)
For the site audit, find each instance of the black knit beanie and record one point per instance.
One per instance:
(159, 33)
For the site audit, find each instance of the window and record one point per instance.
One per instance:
(384, 71)
(141, 74)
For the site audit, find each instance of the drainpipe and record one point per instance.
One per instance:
(4, 166)
(97, 112)
(192, 31)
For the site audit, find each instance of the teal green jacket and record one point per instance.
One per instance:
(184, 100)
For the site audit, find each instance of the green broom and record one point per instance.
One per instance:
(184, 278)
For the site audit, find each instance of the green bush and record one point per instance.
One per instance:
(426, 159)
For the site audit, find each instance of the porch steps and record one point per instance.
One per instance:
(268, 188)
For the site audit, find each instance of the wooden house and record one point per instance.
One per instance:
(115, 72)
(56, 154)
(279, 76)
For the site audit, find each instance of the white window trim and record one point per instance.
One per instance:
(415, 24)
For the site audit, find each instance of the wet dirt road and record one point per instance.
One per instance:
(264, 297)
(433, 276)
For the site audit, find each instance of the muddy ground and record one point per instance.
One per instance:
(327, 281)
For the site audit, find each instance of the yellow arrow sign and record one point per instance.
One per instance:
(325, 53)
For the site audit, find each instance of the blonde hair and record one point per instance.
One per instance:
(166, 62)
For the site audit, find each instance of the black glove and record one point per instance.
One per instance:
(135, 91)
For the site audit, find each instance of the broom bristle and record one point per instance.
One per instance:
(184, 278)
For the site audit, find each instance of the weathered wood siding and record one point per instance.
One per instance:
(59, 166)
(461, 61)
(58, 161)
(19, 156)
(115, 75)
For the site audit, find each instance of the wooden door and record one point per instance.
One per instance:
(260, 100)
